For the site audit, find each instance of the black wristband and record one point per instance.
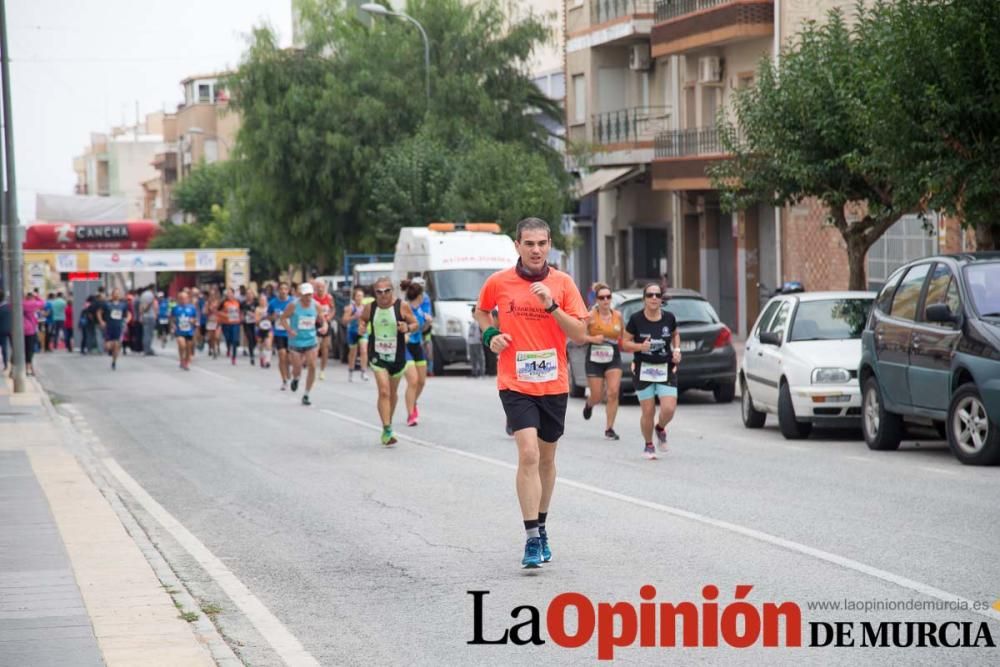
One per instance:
(553, 308)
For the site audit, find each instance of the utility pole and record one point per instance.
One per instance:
(13, 248)
(4, 244)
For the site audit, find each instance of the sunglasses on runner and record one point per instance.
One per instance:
(653, 295)
(605, 297)
(387, 290)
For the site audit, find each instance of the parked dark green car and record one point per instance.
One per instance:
(931, 354)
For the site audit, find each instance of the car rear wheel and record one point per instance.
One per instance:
(437, 361)
(790, 427)
(724, 393)
(882, 430)
(973, 438)
(752, 417)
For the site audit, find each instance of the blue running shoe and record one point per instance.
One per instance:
(532, 553)
(546, 552)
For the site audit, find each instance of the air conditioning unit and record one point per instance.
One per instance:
(709, 69)
(638, 58)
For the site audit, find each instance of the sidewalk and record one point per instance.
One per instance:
(75, 589)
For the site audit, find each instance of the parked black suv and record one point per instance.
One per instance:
(931, 351)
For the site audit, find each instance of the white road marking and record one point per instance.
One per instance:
(213, 373)
(842, 561)
(863, 459)
(940, 471)
(274, 632)
(794, 448)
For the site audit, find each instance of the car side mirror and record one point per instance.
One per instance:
(771, 338)
(941, 314)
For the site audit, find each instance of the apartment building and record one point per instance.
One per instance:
(647, 81)
(203, 129)
(206, 127)
(117, 163)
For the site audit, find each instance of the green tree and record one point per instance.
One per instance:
(504, 183)
(339, 148)
(286, 194)
(804, 132)
(173, 236)
(423, 180)
(203, 195)
(408, 186)
(935, 111)
(207, 186)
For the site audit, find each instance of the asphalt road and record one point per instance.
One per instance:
(366, 554)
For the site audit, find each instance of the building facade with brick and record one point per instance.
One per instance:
(646, 82)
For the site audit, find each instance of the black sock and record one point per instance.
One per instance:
(541, 523)
(531, 527)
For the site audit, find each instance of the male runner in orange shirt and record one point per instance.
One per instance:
(539, 308)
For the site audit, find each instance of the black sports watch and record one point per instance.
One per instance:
(553, 308)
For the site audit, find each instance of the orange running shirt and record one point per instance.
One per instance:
(538, 342)
(231, 311)
(610, 330)
(325, 305)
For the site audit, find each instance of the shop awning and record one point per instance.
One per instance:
(603, 178)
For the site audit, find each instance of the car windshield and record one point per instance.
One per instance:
(686, 310)
(458, 284)
(984, 286)
(830, 319)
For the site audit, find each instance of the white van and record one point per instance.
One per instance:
(455, 261)
(334, 283)
(365, 275)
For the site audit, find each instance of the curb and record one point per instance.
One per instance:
(86, 449)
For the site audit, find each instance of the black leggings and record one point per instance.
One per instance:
(248, 331)
(29, 347)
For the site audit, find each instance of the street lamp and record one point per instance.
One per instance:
(380, 10)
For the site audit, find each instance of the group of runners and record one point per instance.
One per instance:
(526, 314)
(297, 330)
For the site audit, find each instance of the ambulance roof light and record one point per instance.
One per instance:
(488, 227)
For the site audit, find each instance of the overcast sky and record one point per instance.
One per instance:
(80, 66)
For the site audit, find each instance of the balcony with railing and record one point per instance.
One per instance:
(609, 22)
(682, 157)
(686, 25)
(630, 126)
(602, 11)
(687, 143)
(625, 136)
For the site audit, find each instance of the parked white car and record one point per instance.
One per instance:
(801, 362)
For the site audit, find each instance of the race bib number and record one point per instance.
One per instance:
(233, 313)
(307, 323)
(162, 320)
(537, 366)
(325, 309)
(249, 318)
(265, 325)
(386, 349)
(116, 314)
(278, 326)
(184, 323)
(654, 372)
(602, 354)
(211, 325)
